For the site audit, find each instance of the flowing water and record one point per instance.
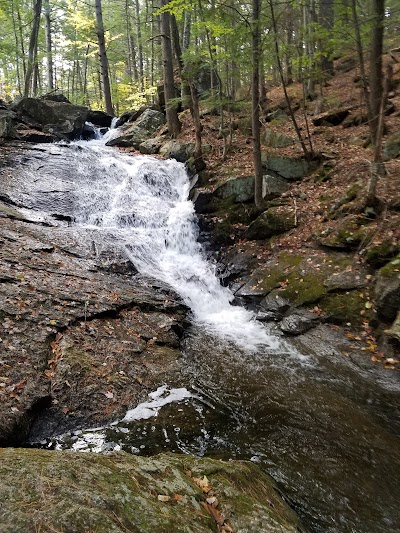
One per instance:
(324, 429)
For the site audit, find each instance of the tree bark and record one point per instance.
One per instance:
(376, 72)
(174, 126)
(255, 105)
(49, 52)
(37, 10)
(103, 58)
(326, 21)
(140, 45)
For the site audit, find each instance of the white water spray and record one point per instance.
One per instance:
(143, 203)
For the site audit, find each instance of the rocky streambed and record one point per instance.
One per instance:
(85, 338)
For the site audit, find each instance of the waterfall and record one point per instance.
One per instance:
(142, 203)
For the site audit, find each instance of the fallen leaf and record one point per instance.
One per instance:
(203, 484)
(163, 498)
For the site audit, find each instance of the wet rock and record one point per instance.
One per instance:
(275, 303)
(177, 150)
(32, 136)
(55, 97)
(275, 139)
(99, 118)
(151, 146)
(298, 322)
(387, 290)
(139, 131)
(290, 168)
(394, 331)
(7, 124)
(61, 119)
(119, 492)
(331, 118)
(202, 201)
(274, 221)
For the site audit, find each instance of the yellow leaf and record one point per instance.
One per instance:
(53, 322)
(163, 498)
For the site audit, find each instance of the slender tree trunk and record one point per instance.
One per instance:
(174, 126)
(255, 105)
(17, 50)
(49, 53)
(21, 40)
(326, 21)
(186, 30)
(376, 72)
(289, 43)
(103, 58)
(140, 45)
(37, 10)
(360, 53)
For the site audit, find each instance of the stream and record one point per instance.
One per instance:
(324, 429)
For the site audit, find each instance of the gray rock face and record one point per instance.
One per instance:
(62, 119)
(241, 189)
(69, 492)
(391, 149)
(99, 118)
(289, 168)
(177, 150)
(142, 129)
(77, 323)
(387, 291)
(274, 221)
(7, 124)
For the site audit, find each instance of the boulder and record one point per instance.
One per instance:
(202, 201)
(45, 490)
(55, 97)
(151, 146)
(391, 149)
(394, 331)
(331, 118)
(346, 233)
(99, 118)
(273, 187)
(177, 150)
(7, 124)
(290, 168)
(275, 139)
(241, 188)
(274, 221)
(138, 132)
(61, 119)
(387, 290)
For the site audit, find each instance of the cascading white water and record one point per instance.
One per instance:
(143, 203)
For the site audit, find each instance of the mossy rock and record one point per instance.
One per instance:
(348, 233)
(274, 221)
(290, 168)
(274, 139)
(74, 492)
(352, 307)
(294, 277)
(382, 253)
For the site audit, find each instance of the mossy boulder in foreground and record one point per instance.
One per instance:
(72, 492)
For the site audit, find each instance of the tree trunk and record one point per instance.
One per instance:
(326, 21)
(360, 53)
(289, 43)
(103, 59)
(255, 105)
(140, 45)
(174, 126)
(49, 53)
(376, 73)
(37, 10)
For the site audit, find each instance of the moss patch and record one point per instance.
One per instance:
(69, 492)
(350, 307)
